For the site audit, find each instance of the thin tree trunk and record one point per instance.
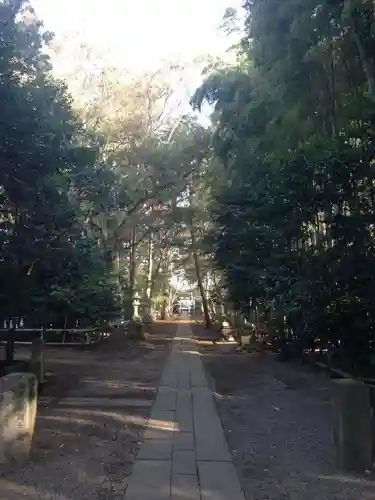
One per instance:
(150, 270)
(280, 325)
(164, 305)
(206, 312)
(155, 275)
(133, 264)
(132, 273)
(171, 297)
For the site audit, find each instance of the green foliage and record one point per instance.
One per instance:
(293, 133)
(49, 267)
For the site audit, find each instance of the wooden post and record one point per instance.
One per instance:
(353, 424)
(9, 349)
(37, 358)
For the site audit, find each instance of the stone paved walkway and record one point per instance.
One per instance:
(184, 455)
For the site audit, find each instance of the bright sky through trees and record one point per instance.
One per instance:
(140, 34)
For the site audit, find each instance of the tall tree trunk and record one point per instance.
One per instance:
(150, 266)
(117, 269)
(170, 301)
(155, 275)
(132, 274)
(164, 305)
(198, 270)
(280, 325)
(133, 264)
(206, 312)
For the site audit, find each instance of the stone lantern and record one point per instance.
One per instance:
(136, 304)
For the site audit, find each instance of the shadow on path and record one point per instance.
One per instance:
(91, 418)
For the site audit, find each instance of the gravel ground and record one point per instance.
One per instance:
(83, 451)
(277, 420)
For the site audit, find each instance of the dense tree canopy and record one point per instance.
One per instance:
(113, 191)
(49, 266)
(294, 128)
(90, 182)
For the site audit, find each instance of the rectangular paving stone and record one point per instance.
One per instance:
(183, 382)
(154, 449)
(105, 402)
(184, 412)
(185, 487)
(184, 427)
(161, 425)
(184, 421)
(169, 381)
(210, 441)
(219, 481)
(209, 435)
(183, 462)
(169, 377)
(165, 418)
(203, 399)
(158, 434)
(198, 380)
(184, 441)
(178, 359)
(211, 452)
(166, 399)
(208, 424)
(198, 377)
(184, 398)
(150, 480)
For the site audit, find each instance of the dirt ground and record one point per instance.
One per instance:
(94, 409)
(278, 425)
(91, 416)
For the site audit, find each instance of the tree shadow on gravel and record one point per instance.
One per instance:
(277, 420)
(91, 419)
